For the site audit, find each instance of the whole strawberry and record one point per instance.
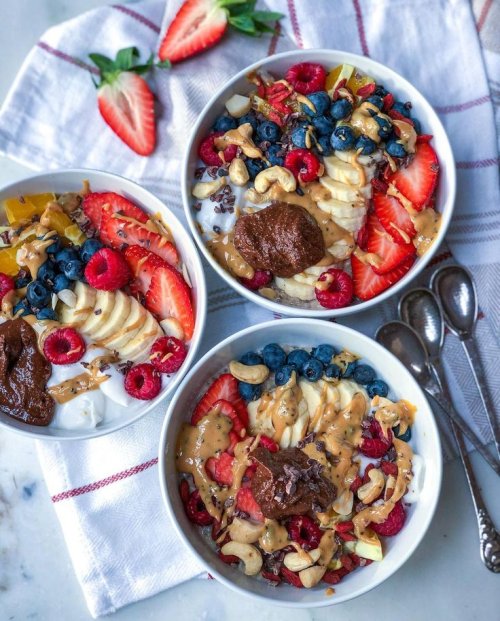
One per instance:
(125, 100)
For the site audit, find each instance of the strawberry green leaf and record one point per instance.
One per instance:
(244, 23)
(125, 58)
(104, 64)
(164, 64)
(266, 16)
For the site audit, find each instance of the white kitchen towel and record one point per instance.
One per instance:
(106, 492)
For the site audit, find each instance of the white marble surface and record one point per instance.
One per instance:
(443, 580)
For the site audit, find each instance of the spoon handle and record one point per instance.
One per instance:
(479, 375)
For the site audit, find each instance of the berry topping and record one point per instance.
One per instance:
(304, 531)
(107, 270)
(73, 270)
(225, 123)
(367, 284)
(324, 353)
(306, 77)
(417, 181)
(304, 165)
(378, 445)
(333, 371)
(291, 577)
(220, 469)
(363, 374)
(196, 510)
(377, 387)
(367, 145)
(339, 292)
(283, 375)
(251, 358)
(394, 522)
(393, 217)
(269, 131)
(6, 284)
(343, 138)
(381, 244)
(320, 101)
(274, 356)
(37, 294)
(142, 264)
(313, 370)
(89, 248)
(168, 354)
(297, 359)
(143, 382)
(93, 206)
(246, 502)
(261, 278)
(249, 392)
(340, 109)
(224, 387)
(64, 346)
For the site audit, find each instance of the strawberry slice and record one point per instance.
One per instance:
(94, 202)
(367, 284)
(200, 24)
(382, 244)
(142, 264)
(169, 296)
(228, 410)
(220, 469)
(418, 181)
(246, 502)
(224, 387)
(121, 231)
(393, 217)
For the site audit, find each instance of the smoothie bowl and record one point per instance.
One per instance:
(300, 462)
(318, 183)
(103, 303)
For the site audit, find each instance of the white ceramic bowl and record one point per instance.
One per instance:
(404, 91)
(71, 181)
(425, 441)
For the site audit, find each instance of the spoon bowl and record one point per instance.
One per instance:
(402, 341)
(455, 288)
(420, 309)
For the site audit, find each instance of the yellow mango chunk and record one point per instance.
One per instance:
(15, 210)
(74, 234)
(8, 264)
(342, 72)
(40, 200)
(357, 81)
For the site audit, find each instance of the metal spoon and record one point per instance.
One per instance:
(408, 347)
(456, 292)
(396, 337)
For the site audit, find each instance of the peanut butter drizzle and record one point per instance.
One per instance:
(84, 382)
(241, 137)
(426, 222)
(222, 247)
(359, 167)
(275, 536)
(51, 208)
(390, 414)
(33, 255)
(368, 258)
(327, 547)
(379, 513)
(362, 120)
(408, 136)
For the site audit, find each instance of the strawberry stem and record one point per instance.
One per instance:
(125, 61)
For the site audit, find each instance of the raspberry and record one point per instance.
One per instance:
(6, 284)
(107, 270)
(303, 164)
(196, 510)
(340, 290)
(209, 153)
(304, 531)
(269, 444)
(344, 527)
(356, 484)
(261, 278)
(388, 468)
(143, 382)
(378, 445)
(306, 77)
(184, 491)
(394, 522)
(291, 577)
(168, 354)
(64, 346)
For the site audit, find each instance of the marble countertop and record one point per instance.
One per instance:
(444, 579)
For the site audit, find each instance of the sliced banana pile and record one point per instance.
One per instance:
(114, 320)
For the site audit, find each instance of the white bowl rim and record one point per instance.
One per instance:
(201, 302)
(325, 601)
(366, 64)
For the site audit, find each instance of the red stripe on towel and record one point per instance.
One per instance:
(483, 15)
(361, 27)
(463, 106)
(137, 16)
(295, 23)
(69, 59)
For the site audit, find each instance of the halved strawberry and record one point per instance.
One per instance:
(224, 387)
(200, 24)
(382, 244)
(169, 296)
(142, 264)
(367, 284)
(418, 180)
(393, 217)
(94, 202)
(246, 502)
(220, 468)
(121, 231)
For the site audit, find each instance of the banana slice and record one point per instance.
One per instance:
(342, 171)
(340, 209)
(118, 315)
(103, 307)
(317, 395)
(85, 300)
(259, 423)
(295, 289)
(341, 191)
(341, 249)
(138, 347)
(130, 327)
(347, 389)
(364, 160)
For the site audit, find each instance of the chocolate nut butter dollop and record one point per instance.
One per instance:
(23, 375)
(290, 483)
(282, 238)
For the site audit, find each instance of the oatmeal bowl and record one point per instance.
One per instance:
(103, 303)
(300, 463)
(318, 183)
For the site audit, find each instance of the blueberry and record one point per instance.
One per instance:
(283, 374)
(73, 269)
(402, 108)
(65, 255)
(380, 91)
(269, 131)
(367, 145)
(273, 156)
(46, 273)
(417, 126)
(299, 137)
(395, 149)
(320, 100)
(326, 147)
(46, 313)
(405, 437)
(61, 282)
(313, 370)
(297, 359)
(37, 293)
(377, 387)
(385, 127)
(363, 374)
(376, 101)
(254, 167)
(249, 392)
(89, 248)
(349, 370)
(340, 109)
(22, 307)
(333, 371)
(343, 138)
(324, 353)
(323, 125)
(274, 356)
(225, 123)
(251, 358)
(22, 281)
(249, 118)
(54, 246)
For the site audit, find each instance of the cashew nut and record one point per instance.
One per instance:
(390, 485)
(244, 531)
(238, 105)
(311, 576)
(238, 172)
(370, 491)
(249, 554)
(172, 327)
(68, 297)
(249, 373)
(297, 561)
(204, 189)
(343, 503)
(275, 174)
